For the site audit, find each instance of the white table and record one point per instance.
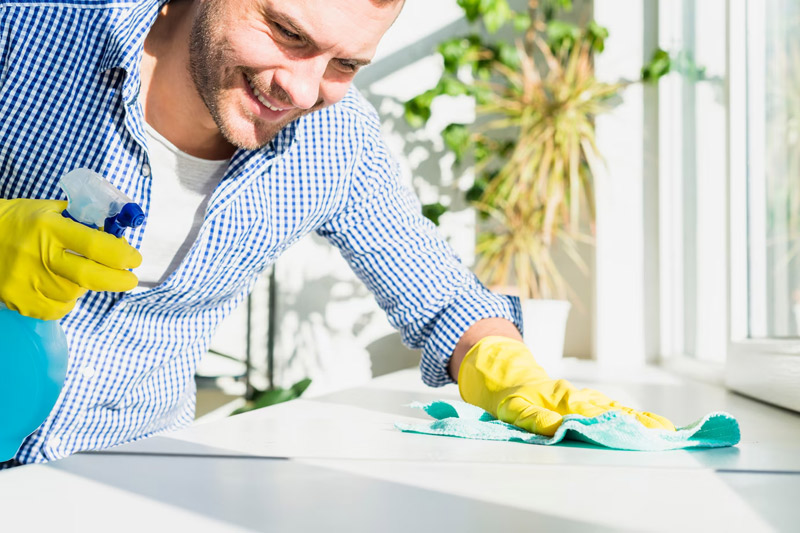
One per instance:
(336, 463)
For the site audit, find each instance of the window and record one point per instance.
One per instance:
(729, 192)
(773, 177)
(764, 349)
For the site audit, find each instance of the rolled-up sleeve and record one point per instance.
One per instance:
(416, 277)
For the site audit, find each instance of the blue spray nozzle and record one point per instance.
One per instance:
(130, 216)
(96, 203)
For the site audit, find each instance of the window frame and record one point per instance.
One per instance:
(692, 241)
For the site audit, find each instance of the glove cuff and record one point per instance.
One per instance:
(493, 368)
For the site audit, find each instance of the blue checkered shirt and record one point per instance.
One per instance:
(69, 83)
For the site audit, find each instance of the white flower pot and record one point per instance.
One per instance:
(545, 323)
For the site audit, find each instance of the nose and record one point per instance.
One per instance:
(301, 80)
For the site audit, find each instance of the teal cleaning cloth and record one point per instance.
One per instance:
(612, 429)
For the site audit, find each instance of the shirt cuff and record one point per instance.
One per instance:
(455, 320)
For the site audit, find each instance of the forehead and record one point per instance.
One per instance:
(353, 27)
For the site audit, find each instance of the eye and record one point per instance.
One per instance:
(286, 34)
(348, 65)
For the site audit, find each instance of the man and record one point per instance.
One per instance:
(233, 123)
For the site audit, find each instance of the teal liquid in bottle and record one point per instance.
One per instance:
(33, 364)
(33, 352)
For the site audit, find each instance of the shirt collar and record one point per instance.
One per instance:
(126, 41)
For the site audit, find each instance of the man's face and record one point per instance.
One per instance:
(260, 64)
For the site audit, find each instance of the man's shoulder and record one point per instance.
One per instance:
(72, 4)
(347, 125)
(104, 15)
(77, 3)
(340, 135)
(102, 30)
(355, 104)
(353, 112)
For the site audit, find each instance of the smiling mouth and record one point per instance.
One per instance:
(261, 98)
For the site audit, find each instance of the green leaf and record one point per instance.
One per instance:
(300, 387)
(433, 211)
(451, 86)
(597, 35)
(451, 51)
(507, 54)
(274, 396)
(418, 109)
(472, 9)
(481, 152)
(456, 138)
(562, 34)
(506, 148)
(566, 5)
(495, 14)
(658, 66)
(483, 70)
(459, 51)
(475, 192)
(549, 8)
(522, 21)
(226, 356)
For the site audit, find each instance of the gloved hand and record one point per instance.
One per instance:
(501, 376)
(39, 278)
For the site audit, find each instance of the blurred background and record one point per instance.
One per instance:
(670, 224)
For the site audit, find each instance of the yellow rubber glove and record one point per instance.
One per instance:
(39, 278)
(501, 376)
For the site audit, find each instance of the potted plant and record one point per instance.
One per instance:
(532, 146)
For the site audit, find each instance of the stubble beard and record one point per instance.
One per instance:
(208, 58)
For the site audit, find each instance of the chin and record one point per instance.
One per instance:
(248, 134)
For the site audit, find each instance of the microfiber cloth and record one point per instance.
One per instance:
(612, 429)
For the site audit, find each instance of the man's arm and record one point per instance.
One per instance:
(483, 328)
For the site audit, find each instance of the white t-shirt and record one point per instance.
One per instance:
(182, 185)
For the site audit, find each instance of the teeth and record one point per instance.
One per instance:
(261, 98)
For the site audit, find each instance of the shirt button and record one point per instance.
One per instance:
(87, 371)
(145, 170)
(54, 442)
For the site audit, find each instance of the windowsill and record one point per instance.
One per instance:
(768, 371)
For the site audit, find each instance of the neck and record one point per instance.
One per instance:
(171, 103)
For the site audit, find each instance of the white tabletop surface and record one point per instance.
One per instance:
(337, 463)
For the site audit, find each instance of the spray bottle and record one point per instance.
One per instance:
(34, 353)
